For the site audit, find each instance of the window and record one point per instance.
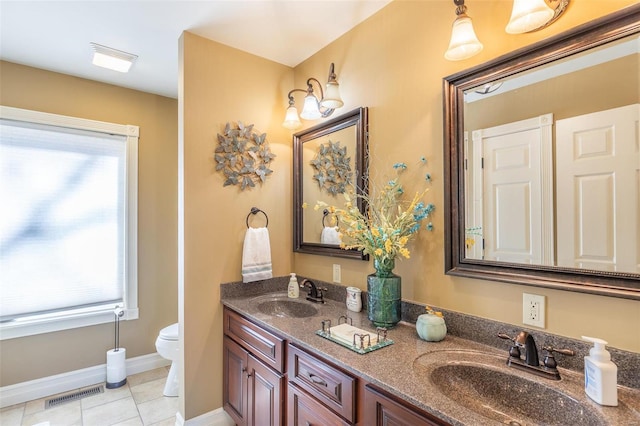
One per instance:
(68, 222)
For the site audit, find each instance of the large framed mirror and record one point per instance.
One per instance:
(542, 162)
(328, 159)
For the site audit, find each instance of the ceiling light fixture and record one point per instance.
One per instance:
(533, 15)
(314, 108)
(464, 42)
(112, 59)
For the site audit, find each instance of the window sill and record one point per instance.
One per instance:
(32, 326)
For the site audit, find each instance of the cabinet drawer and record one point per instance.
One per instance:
(324, 382)
(303, 410)
(268, 347)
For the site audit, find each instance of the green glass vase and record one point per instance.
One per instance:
(385, 293)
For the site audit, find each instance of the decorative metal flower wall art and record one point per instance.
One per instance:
(332, 168)
(243, 156)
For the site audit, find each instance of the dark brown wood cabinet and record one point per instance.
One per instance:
(253, 391)
(262, 375)
(304, 410)
(381, 409)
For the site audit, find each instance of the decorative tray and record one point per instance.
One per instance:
(354, 338)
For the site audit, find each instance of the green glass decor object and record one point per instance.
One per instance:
(385, 293)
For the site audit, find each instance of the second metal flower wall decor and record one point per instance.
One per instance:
(243, 156)
(332, 168)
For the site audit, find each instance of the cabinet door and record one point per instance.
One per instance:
(234, 373)
(265, 394)
(380, 409)
(303, 410)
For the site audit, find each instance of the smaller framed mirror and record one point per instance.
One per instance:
(328, 160)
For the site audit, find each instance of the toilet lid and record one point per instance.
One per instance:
(170, 332)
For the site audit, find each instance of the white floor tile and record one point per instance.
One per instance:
(110, 413)
(158, 409)
(147, 376)
(109, 395)
(148, 391)
(12, 416)
(67, 414)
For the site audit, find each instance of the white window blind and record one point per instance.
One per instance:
(64, 228)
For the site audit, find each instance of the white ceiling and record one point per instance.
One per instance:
(55, 35)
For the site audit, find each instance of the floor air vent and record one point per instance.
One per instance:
(54, 402)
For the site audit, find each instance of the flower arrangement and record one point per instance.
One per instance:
(389, 223)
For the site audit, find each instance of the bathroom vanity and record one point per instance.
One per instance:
(277, 370)
(268, 380)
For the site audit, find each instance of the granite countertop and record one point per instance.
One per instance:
(404, 368)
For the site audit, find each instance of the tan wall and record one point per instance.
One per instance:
(223, 85)
(393, 63)
(43, 355)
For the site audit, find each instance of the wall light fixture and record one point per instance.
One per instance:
(314, 107)
(112, 59)
(526, 16)
(464, 42)
(533, 15)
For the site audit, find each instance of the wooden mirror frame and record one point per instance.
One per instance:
(360, 119)
(612, 27)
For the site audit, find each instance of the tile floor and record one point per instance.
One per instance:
(139, 403)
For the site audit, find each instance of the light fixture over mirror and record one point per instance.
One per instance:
(533, 15)
(314, 107)
(464, 42)
(526, 16)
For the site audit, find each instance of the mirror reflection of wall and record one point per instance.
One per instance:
(579, 207)
(326, 182)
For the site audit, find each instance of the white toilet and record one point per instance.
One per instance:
(167, 346)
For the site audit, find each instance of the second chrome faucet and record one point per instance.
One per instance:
(531, 361)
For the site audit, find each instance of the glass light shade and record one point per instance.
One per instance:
(528, 15)
(464, 42)
(332, 96)
(291, 119)
(310, 109)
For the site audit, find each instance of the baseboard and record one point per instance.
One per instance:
(65, 382)
(212, 418)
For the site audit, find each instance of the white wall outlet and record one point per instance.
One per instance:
(337, 275)
(533, 310)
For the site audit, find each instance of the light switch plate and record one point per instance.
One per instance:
(533, 310)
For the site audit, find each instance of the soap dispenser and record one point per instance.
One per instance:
(600, 374)
(294, 289)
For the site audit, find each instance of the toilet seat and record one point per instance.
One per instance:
(170, 332)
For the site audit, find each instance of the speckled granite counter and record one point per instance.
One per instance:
(404, 368)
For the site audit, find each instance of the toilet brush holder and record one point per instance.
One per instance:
(116, 368)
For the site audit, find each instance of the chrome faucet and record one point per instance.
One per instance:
(315, 293)
(531, 361)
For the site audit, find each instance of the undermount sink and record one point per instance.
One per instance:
(287, 308)
(510, 398)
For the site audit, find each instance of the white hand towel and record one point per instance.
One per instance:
(330, 235)
(256, 255)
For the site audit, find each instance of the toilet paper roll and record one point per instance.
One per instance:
(116, 368)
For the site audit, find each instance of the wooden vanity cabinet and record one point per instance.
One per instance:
(253, 390)
(325, 383)
(381, 409)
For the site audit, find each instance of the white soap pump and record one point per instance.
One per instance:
(294, 289)
(600, 374)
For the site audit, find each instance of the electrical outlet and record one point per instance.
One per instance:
(533, 310)
(337, 278)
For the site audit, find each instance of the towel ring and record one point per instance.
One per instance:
(325, 213)
(255, 210)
